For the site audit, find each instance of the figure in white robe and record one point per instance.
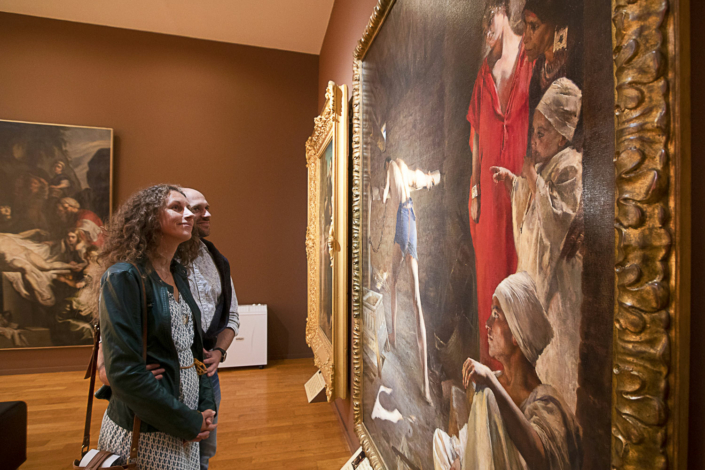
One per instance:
(515, 422)
(546, 201)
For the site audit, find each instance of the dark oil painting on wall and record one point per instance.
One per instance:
(55, 196)
(487, 192)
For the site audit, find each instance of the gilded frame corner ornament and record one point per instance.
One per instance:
(330, 130)
(650, 357)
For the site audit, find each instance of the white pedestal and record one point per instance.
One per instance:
(249, 348)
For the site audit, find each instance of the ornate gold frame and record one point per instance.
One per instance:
(652, 242)
(331, 357)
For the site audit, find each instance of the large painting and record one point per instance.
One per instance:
(495, 325)
(55, 196)
(327, 242)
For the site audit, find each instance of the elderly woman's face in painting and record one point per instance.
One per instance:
(499, 336)
(538, 36)
(545, 139)
(176, 219)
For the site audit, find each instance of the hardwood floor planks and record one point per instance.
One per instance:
(265, 421)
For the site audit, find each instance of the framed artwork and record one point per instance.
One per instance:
(327, 241)
(55, 196)
(520, 234)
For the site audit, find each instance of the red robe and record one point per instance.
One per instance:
(502, 142)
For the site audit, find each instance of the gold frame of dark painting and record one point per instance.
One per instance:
(330, 356)
(651, 339)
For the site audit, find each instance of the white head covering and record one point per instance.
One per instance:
(525, 315)
(561, 106)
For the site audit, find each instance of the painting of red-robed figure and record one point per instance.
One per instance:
(55, 197)
(487, 267)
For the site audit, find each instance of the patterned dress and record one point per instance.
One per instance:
(158, 450)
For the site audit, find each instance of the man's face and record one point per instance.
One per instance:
(201, 211)
(499, 336)
(538, 36)
(545, 139)
(5, 212)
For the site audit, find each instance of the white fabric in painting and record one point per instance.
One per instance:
(485, 443)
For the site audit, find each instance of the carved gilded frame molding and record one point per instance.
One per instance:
(330, 130)
(652, 224)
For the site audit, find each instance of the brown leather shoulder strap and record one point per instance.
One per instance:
(89, 409)
(138, 422)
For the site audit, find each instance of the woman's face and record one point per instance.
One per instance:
(175, 218)
(545, 139)
(499, 336)
(538, 36)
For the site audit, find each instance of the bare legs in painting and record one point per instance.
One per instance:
(400, 182)
(413, 265)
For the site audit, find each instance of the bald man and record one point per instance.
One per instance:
(212, 288)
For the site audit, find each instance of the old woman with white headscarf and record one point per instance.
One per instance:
(516, 421)
(546, 202)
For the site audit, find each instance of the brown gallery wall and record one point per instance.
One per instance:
(347, 23)
(230, 120)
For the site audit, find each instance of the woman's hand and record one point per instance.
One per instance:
(478, 373)
(207, 425)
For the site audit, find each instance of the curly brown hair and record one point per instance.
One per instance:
(134, 232)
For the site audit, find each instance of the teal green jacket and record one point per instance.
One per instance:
(134, 389)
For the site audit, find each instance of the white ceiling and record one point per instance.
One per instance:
(292, 25)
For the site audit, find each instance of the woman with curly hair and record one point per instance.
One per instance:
(149, 233)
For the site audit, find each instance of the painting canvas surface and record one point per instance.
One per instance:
(325, 314)
(487, 205)
(55, 184)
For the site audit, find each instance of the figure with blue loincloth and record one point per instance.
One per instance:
(400, 181)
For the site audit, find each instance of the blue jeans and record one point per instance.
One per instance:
(208, 445)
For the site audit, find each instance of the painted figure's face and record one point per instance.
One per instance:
(492, 24)
(201, 212)
(34, 185)
(175, 218)
(72, 239)
(538, 36)
(58, 168)
(545, 139)
(5, 212)
(499, 336)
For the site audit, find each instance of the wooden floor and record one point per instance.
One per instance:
(265, 420)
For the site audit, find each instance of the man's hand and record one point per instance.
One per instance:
(477, 372)
(156, 371)
(211, 359)
(502, 175)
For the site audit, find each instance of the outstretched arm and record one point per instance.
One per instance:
(523, 435)
(502, 175)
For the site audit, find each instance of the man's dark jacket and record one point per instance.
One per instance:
(222, 310)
